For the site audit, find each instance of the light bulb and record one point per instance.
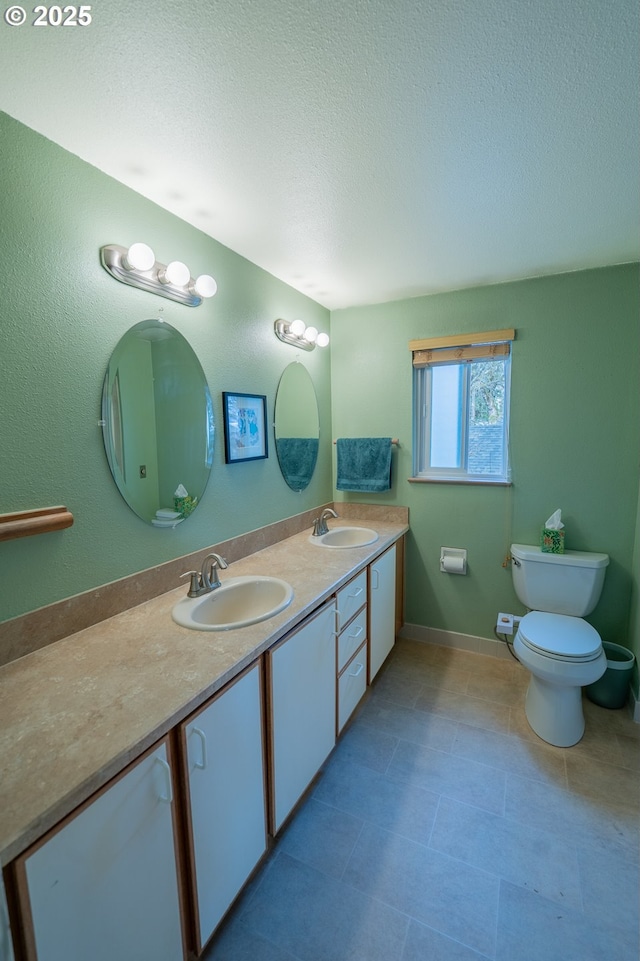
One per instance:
(175, 273)
(310, 334)
(139, 257)
(296, 327)
(205, 286)
(322, 340)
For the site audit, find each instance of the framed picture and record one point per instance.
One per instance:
(245, 427)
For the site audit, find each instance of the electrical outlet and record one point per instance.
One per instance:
(504, 624)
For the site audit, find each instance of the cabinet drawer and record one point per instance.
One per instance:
(352, 684)
(351, 598)
(351, 638)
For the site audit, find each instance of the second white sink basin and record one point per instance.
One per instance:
(240, 601)
(345, 537)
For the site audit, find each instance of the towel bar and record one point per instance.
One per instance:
(394, 440)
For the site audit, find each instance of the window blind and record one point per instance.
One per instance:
(439, 350)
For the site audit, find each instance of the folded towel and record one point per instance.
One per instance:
(364, 463)
(297, 457)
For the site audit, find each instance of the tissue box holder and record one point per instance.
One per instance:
(552, 542)
(184, 505)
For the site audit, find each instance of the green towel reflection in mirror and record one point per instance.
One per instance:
(297, 458)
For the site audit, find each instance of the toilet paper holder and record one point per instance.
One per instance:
(453, 560)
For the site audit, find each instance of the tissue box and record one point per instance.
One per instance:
(184, 505)
(552, 542)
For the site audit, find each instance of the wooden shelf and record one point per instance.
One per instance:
(43, 520)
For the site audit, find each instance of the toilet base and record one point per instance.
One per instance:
(554, 712)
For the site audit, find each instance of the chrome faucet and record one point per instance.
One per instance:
(211, 566)
(320, 523)
(208, 578)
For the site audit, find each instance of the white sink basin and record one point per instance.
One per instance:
(345, 537)
(240, 601)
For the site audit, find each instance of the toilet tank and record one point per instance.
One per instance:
(569, 583)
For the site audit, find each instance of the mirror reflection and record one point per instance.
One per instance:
(157, 423)
(297, 426)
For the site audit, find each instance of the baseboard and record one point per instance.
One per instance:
(491, 647)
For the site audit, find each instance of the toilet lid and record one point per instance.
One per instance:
(560, 635)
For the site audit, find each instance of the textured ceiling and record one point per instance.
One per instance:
(360, 150)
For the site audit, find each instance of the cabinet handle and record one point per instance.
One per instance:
(357, 592)
(168, 797)
(359, 669)
(359, 630)
(203, 745)
(375, 573)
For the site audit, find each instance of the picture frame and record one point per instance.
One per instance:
(245, 427)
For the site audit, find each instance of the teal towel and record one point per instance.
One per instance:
(297, 457)
(364, 464)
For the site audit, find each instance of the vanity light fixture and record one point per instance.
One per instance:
(138, 267)
(298, 334)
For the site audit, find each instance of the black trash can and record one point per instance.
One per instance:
(612, 689)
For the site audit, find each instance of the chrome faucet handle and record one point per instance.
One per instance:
(195, 586)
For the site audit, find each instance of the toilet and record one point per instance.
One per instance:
(561, 650)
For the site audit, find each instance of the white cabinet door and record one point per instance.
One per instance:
(104, 885)
(382, 609)
(224, 747)
(302, 671)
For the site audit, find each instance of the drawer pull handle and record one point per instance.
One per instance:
(166, 770)
(359, 669)
(203, 744)
(359, 630)
(358, 591)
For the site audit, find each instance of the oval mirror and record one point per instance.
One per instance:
(157, 423)
(297, 426)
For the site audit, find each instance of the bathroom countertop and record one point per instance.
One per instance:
(75, 713)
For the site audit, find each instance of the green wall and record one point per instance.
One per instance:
(61, 316)
(574, 436)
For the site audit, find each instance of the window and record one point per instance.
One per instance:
(461, 408)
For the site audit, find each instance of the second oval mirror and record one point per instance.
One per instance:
(297, 426)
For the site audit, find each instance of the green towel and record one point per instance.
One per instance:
(364, 464)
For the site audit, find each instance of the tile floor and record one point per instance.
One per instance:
(443, 829)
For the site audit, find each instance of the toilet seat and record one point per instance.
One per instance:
(560, 636)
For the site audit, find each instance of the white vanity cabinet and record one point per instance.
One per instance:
(103, 884)
(302, 708)
(223, 747)
(382, 609)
